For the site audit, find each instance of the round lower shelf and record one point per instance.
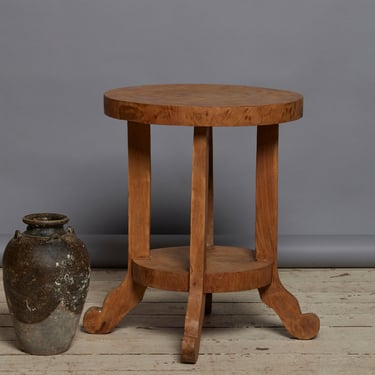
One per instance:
(228, 269)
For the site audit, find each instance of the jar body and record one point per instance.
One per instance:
(46, 277)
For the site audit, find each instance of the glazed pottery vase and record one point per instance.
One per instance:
(46, 277)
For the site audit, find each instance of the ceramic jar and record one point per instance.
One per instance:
(46, 277)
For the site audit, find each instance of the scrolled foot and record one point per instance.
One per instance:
(286, 306)
(193, 326)
(190, 349)
(304, 327)
(116, 305)
(94, 321)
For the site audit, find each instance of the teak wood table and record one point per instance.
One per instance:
(202, 268)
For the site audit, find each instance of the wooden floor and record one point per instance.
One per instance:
(242, 336)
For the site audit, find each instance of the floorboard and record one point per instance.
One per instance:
(241, 336)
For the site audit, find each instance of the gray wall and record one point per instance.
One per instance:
(60, 153)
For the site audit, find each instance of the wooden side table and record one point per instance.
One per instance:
(202, 268)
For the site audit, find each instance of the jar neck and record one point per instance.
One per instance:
(45, 224)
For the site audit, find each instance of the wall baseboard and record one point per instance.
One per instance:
(342, 251)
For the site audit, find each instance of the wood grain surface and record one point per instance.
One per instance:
(228, 269)
(203, 105)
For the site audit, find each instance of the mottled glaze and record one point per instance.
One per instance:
(46, 278)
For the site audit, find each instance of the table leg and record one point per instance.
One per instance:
(302, 326)
(125, 297)
(198, 245)
(210, 213)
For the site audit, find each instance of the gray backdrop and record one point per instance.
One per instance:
(60, 153)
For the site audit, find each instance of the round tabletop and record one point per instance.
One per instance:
(203, 105)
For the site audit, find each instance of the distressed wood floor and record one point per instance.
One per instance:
(241, 336)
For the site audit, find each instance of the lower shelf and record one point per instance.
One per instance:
(228, 269)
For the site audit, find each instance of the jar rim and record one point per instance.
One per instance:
(44, 219)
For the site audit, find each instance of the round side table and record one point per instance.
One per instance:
(202, 268)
